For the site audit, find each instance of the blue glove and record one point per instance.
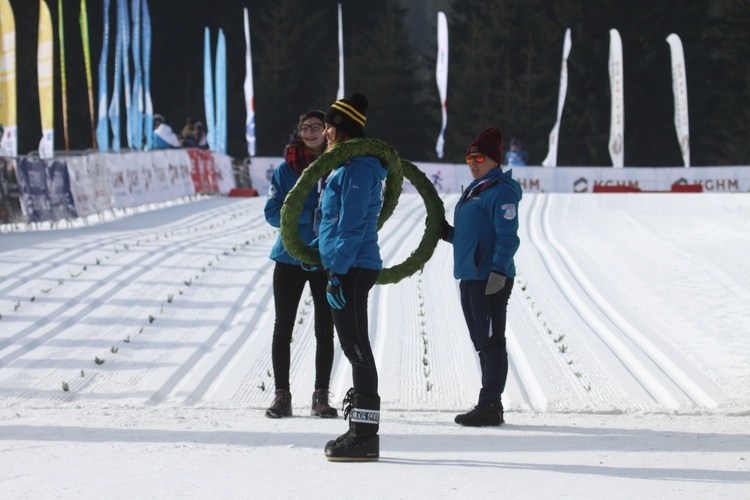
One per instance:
(309, 267)
(334, 293)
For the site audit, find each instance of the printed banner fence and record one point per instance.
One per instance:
(454, 177)
(10, 196)
(38, 190)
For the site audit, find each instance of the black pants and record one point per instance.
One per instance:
(352, 328)
(486, 316)
(288, 283)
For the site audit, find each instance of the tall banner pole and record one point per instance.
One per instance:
(221, 94)
(148, 116)
(114, 107)
(135, 115)
(340, 92)
(45, 72)
(83, 20)
(554, 136)
(102, 126)
(441, 75)
(617, 116)
(249, 92)
(679, 89)
(63, 79)
(8, 90)
(208, 91)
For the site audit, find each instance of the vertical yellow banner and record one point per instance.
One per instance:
(63, 80)
(44, 66)
(83, 20)
(8, 103)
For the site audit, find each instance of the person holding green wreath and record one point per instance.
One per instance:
(289, 279)
(485, 240)
(350, 254)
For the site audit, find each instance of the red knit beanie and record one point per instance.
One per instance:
(489, 142)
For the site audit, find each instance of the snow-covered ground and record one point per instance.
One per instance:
(628, 336)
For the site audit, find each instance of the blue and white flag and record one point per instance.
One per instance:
(148, 112)
(102, 126)
(679, 89)
(221, 94)
(249, 92)
(554, 136)
(208, 91)
(340, 93)
(617, 117)
(135, 111)
(114, 106)
(125, 40)
(441, 75)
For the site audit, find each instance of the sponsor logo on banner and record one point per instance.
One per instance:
(725, 184)
(531, 185)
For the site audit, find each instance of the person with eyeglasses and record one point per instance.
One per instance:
(485, 240)
(289, 278)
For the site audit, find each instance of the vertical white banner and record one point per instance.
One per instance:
(249, 92)
(617, 118)
(679, 89)
(554, 136)
(340, 93)
(441, 75)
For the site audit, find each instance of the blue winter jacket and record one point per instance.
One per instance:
(485, 232)
(351, 206)
(283, 180)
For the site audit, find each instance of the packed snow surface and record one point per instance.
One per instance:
(628, 340)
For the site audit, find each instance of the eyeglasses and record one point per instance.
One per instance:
(315, 127)
(476, 158)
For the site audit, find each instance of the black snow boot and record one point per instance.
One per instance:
(361, 442)
(482, 415)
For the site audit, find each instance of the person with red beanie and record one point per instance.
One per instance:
(485, 239)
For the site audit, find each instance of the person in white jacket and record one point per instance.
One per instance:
(164, 136)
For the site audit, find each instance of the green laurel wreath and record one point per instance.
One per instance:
(397, 168)
(435, 214)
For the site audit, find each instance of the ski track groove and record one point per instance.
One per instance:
(205, 353)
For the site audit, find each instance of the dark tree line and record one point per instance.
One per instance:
(504, 69)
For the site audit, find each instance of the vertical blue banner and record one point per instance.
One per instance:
(114, 106)
(102, 126)
(208, 91)
(135, 112)
(221, 94)
(148, 112)
(125, 40)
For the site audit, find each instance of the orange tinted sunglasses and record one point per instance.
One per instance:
(476, 158)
